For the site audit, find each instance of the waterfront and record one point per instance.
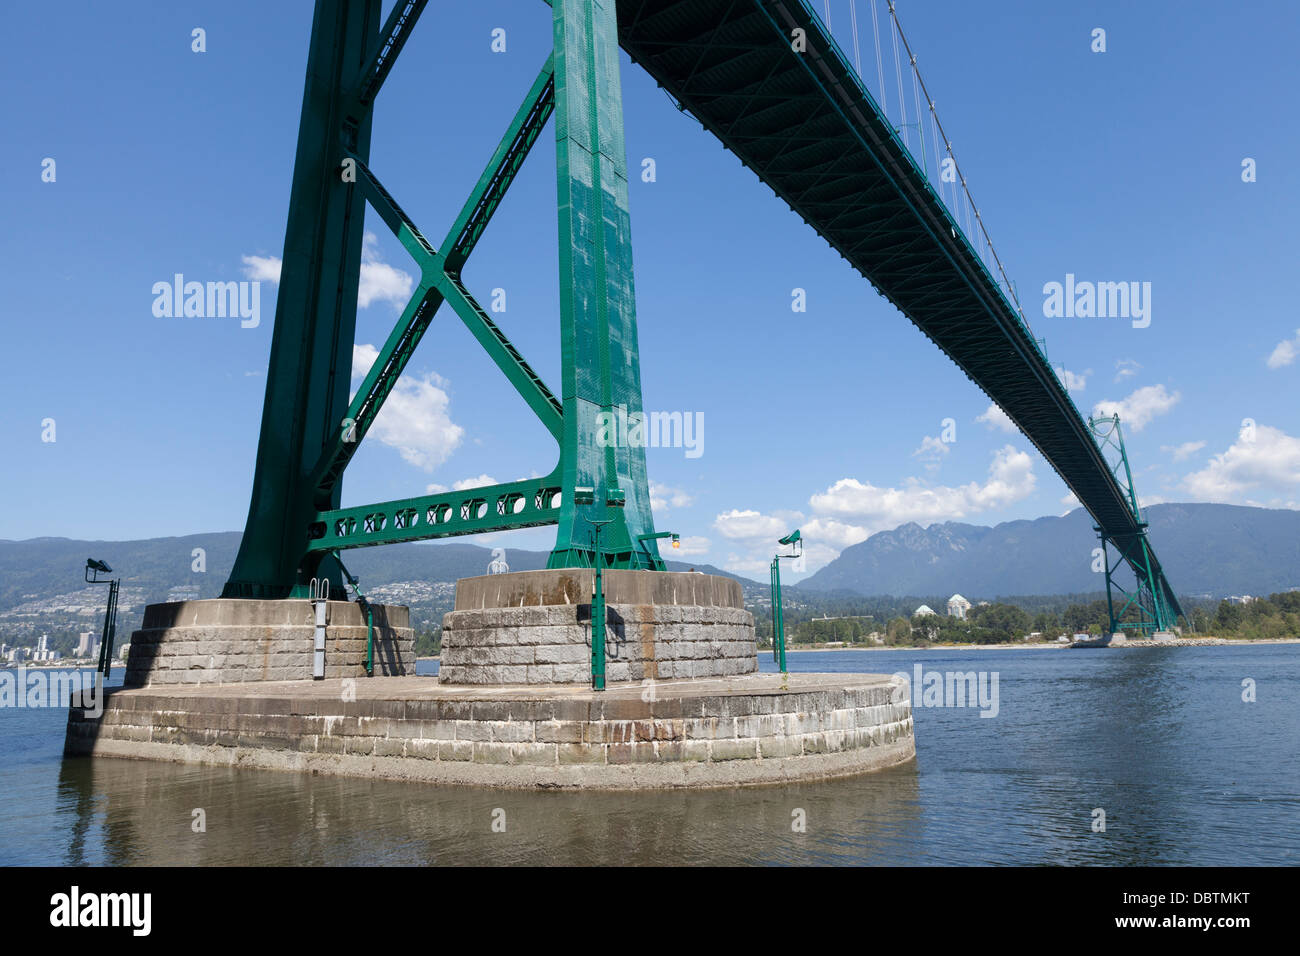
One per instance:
(1159, 738)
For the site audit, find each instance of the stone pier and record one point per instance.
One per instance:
(228, 683)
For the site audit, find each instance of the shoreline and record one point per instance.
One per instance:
(1181, 642)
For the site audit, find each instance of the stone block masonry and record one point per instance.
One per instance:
(534, 627)
(758, 728)
(226, 640)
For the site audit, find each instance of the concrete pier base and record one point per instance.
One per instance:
(226, 640)
(752, 729)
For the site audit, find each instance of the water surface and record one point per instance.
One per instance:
(1158, 738)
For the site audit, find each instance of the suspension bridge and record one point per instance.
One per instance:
(873, 173)
(508, 707)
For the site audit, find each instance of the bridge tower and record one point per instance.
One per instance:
(1151, 597)
(310, 430)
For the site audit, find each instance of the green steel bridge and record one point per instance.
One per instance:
(769, 80)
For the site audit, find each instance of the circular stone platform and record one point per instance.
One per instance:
(534, 627)
(753, 729)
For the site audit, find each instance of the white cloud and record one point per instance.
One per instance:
(379, 282)
(1270, 461)
(1184, 451)
(995, 417)
(262, 268)
(415, 418)
(839, 534)
(478, 481)
(748, 565)
(870, 508)
(1071, 501)
(435, 489)
(1073, 381)
(1125, 368)
(1137, 411)
(932, 449)
(758, 533)
(748, 525)
(363, 356)
(931, 453)
(850, 511)
(1286, 352)
(663, 497)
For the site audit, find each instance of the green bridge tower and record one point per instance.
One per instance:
(1151, 604)
(310, 430)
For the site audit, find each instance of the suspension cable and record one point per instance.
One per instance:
(880, 62)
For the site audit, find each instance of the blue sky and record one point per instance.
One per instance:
(1117, 166)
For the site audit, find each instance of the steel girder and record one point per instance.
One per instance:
(295, 520)
(315, 313)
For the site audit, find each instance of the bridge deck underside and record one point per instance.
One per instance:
(805, 125)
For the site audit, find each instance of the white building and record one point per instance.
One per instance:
(958, 606)
(923, 610)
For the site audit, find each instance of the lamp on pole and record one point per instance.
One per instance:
(93, 571)
(794, 540)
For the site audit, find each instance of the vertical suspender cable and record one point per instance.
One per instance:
(880, 62)
(934, 138)
(898, 75)
(920, 120)
(853, 25)
(1012, 295)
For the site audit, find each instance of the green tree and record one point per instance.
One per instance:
(898, 631)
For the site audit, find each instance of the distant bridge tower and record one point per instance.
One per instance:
(1157, 608)
(310, 429)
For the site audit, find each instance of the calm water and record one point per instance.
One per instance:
(1158, 738)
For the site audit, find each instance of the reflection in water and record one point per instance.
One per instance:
(1157, 738)
(140, 813)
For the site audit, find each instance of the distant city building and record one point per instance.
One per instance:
(86, 643)
(1241, 598)
(958, 606)
(923, 610)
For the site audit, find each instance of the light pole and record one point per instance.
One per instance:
(795, 540)
(370, 616)
(613, 499)
(93, 571)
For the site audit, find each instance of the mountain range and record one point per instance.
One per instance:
(1207, 550)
